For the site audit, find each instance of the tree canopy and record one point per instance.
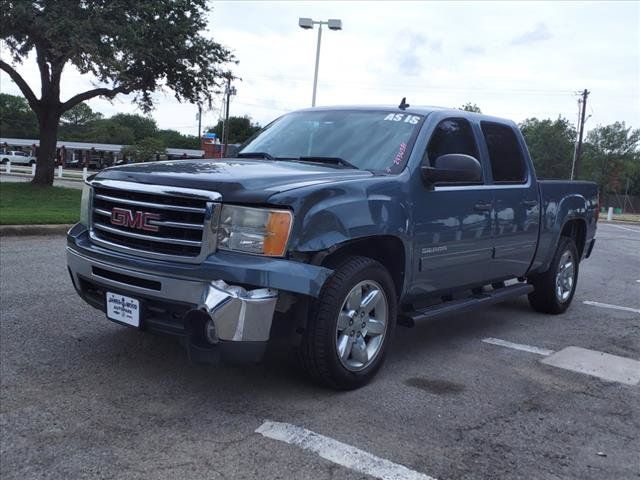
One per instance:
(240, 129)
(129, 47)
(612, 156)
(145, 150)
(81, 114)
(551, 145)
(17, 120)
(470, 107)
(82, 124)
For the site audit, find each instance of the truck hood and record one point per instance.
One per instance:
(237, 180)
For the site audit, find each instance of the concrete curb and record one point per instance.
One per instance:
(28, 175)
(25, 230)
(630, 222)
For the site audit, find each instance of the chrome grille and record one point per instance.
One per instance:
(153, 221)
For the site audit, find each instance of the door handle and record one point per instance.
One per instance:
(530, 203)
(483, 207)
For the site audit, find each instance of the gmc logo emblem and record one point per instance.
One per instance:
(123, 217)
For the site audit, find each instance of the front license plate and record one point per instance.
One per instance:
(123, 309)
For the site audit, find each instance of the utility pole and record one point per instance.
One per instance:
(225, 126)
(576, 168)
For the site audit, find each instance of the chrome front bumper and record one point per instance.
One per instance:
(239, 315)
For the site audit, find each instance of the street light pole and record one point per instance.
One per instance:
(315, 75)
(308, 23)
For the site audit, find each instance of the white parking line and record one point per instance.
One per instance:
(338, 452)
(590, 362)
(518, 346)
(623, 228)
(613, 307)
(597, 364)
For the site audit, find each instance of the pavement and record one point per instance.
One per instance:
(82, 397)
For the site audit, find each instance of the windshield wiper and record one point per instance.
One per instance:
(265, 155)
(331, 160)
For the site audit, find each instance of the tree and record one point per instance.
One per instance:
(107, 131)
(81, 114)
(551, 146)
(142, 127)
(611, 156)
(17, 120)
(145, 150)
(135, 47)
(240, 129)
(175, 139)
(470, 107)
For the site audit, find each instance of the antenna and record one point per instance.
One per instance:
(403, 104)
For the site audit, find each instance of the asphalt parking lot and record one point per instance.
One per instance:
(82, 397)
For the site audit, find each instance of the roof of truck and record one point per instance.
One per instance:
(418, 110)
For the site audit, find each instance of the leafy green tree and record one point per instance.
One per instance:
(175, 139)
(81, 114)
(551, 145)
(470, 107)
(17, 120)
(240, 129)
(142, 127)
(106, 131)
(135, 47)
(145, 150)
(611, 156)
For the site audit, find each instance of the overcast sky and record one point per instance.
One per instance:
(515, 60)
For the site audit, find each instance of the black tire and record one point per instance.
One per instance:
(5, 160)
(544, 298)
(318, 352)
(32, 162)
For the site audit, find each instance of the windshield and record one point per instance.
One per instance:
(368, 140)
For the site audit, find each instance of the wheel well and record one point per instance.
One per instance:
(387, 250)
(577, 230)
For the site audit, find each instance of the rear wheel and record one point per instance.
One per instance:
(554, 289)
(350, 326)
(5, 160)
(32, 162)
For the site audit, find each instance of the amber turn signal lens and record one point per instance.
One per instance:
(277, 233)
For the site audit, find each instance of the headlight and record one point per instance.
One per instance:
(254, 230)
(85, 204)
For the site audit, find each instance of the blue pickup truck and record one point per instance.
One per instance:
(336, 225)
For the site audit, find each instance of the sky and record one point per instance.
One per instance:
(515, 60)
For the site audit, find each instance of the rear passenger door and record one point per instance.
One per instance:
(515, 201)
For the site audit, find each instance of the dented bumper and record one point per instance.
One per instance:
(204, 304)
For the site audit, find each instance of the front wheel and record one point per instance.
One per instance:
(554, 289)
(32, 162)
(351, 324)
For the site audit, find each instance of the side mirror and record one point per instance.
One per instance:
(453, 168)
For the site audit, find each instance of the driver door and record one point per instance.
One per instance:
(453, 242)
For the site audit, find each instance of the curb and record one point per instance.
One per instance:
(25, 230)
(28, 175)
(631, 222)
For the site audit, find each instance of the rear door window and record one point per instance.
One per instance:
(505, 153)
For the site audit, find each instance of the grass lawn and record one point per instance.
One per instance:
(24, 203)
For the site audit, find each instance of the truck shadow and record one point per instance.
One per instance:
(147, 359)
(449, 332)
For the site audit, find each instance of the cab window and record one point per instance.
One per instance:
(453, 135)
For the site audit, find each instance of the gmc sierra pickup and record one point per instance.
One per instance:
(338, 224)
